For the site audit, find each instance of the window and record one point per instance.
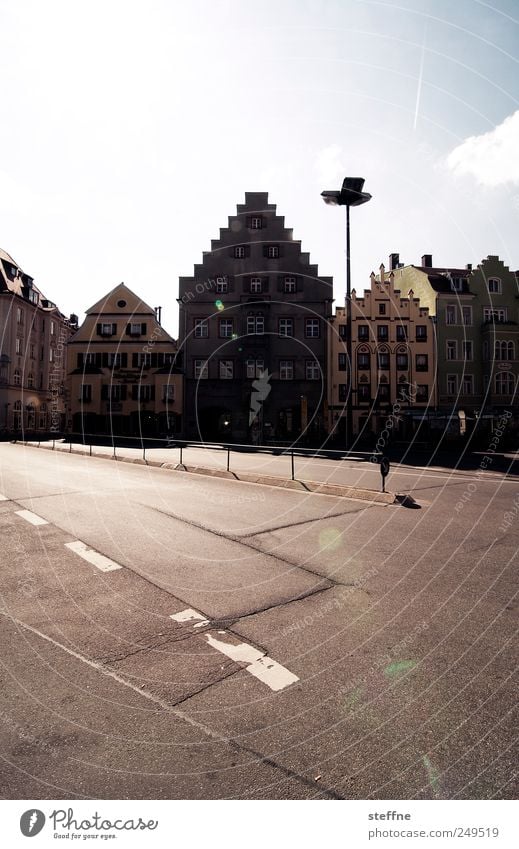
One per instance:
(382, 332)
(52, 328)
(143, 392)
(402, 362)
(467, 315)
(30, 381)
(312, 330)
(226, 328)
(504, 383)
(201, 328)
(452, 349)
(403, 390)
(494, 286)
(86, 393)
(255, 285)
(401, 333)
(239, 252)
(254, 368)
(121, 304)
(42, 420)
(256, 223)
(364, 392)
(363, 361)
(142, 361)
(201, 370)
(342, 360)
(107, 329)
(422, 362)
(31, 351)
(467, 386)
(19, 315)
(168, 392)
(504, 350)
(457, 284)
(51, 355)
(19, 344)
(286, 369)
(17, 377)
(421, 333)
(342, 393)
(342, 331)
(272, 251)
(115, 392)
(136, 329)
(289, 285)
(312, 370)
(450, 314)
(467, 349)
(381, 309)
(226, 369)
(452, 384)
(383, 392)
(286, 327)
(383, 360)
(491, 314)
(422, 392)
(222, 285)
(116, 360)
(363, 333)
(255, 325)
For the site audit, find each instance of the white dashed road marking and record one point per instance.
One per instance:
(259, 664)
(190, 615)
(31, 517)
(91, 556)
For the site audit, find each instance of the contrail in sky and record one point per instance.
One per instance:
(420, 77)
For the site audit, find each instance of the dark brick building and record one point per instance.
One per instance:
(253, 322)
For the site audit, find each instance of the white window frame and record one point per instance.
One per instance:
(107, 329)
(256, 285)
(466, 314)
(256, 223)
(451, 344)
(222, 285)
(273, 252)
(286, 369)
(451, 311)
(168, 392)
(135, 328)
(490, 313)
(467, 347)
(467, 384)
(86, 393)
(254, 368)
(286, 327)
(312, 370)
(311, 325)
(226, 369)
(255, 325)
(494, 286)
(506, 378)
(225, 328)
(201, 369)
(290, 285)
(452, 384)
(200, 328)
(239, 252)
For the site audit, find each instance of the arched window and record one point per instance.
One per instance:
(17, 377)
(30, 381)
(17, 406)
(504, 383)
(363, 358)
(510, 351)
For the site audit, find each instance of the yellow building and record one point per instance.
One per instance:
(124, 378)
(33, 356)
(393, 362)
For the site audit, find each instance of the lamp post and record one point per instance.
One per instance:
(350, 194)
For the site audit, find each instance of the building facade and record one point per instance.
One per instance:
(33, 356)
(476, 314)
(393, 362)
(253, 320)
(124, 377)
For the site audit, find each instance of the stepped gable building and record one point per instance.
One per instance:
(123, 375)
(253, 333)
(393, 361)
(476, 313)
(33, 337)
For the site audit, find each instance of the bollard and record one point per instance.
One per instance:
(144, 452)
(181, 463)
(384, 471)
(292, 464)
(228, 458)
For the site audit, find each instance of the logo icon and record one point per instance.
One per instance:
(32, 822)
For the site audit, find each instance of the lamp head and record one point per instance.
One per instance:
(351, 193)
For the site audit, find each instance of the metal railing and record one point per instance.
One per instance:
(91, 440)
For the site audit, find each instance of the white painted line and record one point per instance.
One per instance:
(31, 517)
(91, 556)
(269, 671)
(3, 498)
(190, 615)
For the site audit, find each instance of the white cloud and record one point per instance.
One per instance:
(329, 164)
(492, 157)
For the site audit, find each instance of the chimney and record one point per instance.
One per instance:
(469, 266)
(158, 314)
(394, 261)
(427, 261)
(73, 319)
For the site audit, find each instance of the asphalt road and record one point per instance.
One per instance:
(166, 635)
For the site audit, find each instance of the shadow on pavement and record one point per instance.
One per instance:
(408, 501)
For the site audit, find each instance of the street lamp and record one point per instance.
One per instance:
(350, 194)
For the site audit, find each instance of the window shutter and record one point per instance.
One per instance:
(123, 392)
(154, 360)
(105, 360)
(104, 392)
(98, 360)
(160, 360)
(80, 359)
(135, 391)
(265, 251)
(124, 360)
(281, 284)
(98, 329)
(135, 360)
(143, 328)
(128, 328)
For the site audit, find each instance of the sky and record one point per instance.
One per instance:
(130, 131)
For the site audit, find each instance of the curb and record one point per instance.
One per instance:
(315, 487)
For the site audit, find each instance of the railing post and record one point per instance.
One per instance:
(144, 452)
(70, 446)
(53, 444)
(114, 454)
(181, 463)
(90, 449)
(228, 458)
(292, 463)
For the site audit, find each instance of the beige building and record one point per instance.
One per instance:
(393, 362)
(123, 374)
(33, 356)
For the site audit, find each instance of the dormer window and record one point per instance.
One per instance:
(136, 328)
(456, 284)
(105, 329)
